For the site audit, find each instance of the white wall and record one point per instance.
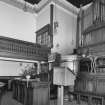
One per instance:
(9, 68)
(12, 68)
(16, 23)
(65, 36)
(43, 17)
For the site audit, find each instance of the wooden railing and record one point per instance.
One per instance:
(19, 49)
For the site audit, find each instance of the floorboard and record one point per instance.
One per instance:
(8, 100)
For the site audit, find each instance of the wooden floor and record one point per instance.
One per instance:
(8, 100)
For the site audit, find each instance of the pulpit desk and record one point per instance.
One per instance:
(1, 90)
(31, 92)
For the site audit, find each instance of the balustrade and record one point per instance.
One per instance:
(22, 48)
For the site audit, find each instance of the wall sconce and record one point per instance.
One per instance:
(57, 45)
(56, 25)
(85, 52)
(83, 55)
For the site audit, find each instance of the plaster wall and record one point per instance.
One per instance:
(16, 23)
(64, 36)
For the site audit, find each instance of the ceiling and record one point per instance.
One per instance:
(76, 3)
(33, 1)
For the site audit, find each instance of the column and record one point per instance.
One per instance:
(60, 95)
(38, 68)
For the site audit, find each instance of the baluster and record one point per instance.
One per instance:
(10, 47)
(34, 52)
(104, 12)
(14, 47)
(24, 50)
(18, 48)
(30, 51)
(27, 51)
(21, 49)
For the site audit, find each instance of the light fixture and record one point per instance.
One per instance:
(55, 26)
(85, 52)
(56, 23)
(83, 55)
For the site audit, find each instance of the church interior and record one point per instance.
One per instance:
(52, 52)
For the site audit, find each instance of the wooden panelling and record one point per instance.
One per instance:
(94, 36)
(100, 86)
(91, 85)
(44, 37)
(93, 24)
(19, 49)
(93, 50)
(94, 14)
(87, 15)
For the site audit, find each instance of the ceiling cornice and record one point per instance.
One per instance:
(42, 4)
(20, 4)
(62, 3)
(67, 6)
